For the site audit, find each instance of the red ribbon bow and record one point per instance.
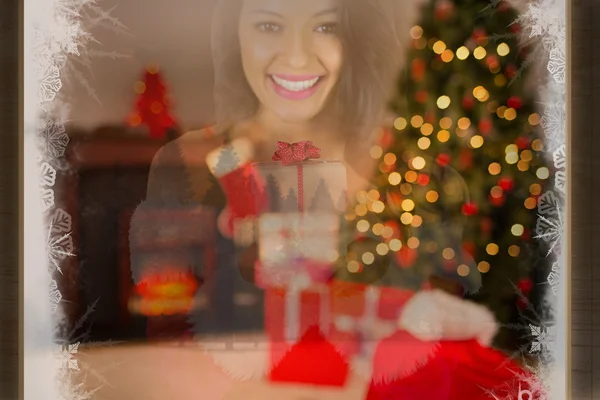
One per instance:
(289, 153)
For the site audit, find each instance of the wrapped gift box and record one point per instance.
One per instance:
(296, 243)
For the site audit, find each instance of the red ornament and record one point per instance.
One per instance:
(503, 6)
(470, 248)
(496, 201)
(515, 102)
(526, 234)
(510, 71)
(443, 9)
(487, 224)
(421, 96)
(492, 61)
(386, 139)
(406, 257)
(506, 183)
(466, 158)
(469, 209)
(152, 105)
(418, 67)
(525, 285)
(468, 102)
(485, 126)
(443, 159)
(423, 179)
(522, 142)
(430, 117)
(515, 28)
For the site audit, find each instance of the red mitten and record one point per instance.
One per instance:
(244, 188)
(406, 368)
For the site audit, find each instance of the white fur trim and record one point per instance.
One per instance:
(436, 315)
(241, 148)
(242, 364)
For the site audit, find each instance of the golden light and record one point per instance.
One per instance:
(479, 53)
(410, 176)
(446, 123)
(448, 253)
(418, 163)
(382, 249)
(526, 155)
(139, 87)
(378, 229)
(360, 210)
(156, 107)
(432, 196)
(483, 267)
(135, 120)
(152, 69)
(353, 267)
(388, 232)
(368, 258)
(373, 194)
(427, 129)
(537, 145)
(476, 141)
(406, 189)
(443, 136)
(416, 32)
(496, 192)
(439, 47)
(514, 250)
(503, 49)
(492, 249)
(406, 218)
(494, 168)
(500, 111)
(479, 91)
(416, 121)
(350, 216)
(462, 270)
(416, 221)
(400, 123)
(362, 197)
(389, 159)
(395, 244)
(510, 114)
(443, 102)
(517, 230)
(447, 56)
(511, 148)
(462, 53)
(408, 205)
(378, 207)
(362, 226)
(464, 123)
(394, 178)
(542, 173)
(412, 243)
(423, 143)
(512, 158)
(535, 189)
(500, 80)
(530, 203)
(522, 166)
(376, 152)
(534, 119)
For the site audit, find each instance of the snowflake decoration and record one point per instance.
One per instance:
(543, 338)
(550, 226)
(60, 222)
(53, 140)
(65, 355)
(47, 175)
(553, 122)
(554, 278)
(55, 296)
(560, 162)
(47, 199)
(544, 19)
(557, 65)
(58, 247)
(50, 84)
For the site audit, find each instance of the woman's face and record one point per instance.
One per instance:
(291, 54)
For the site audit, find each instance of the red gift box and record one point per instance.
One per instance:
(363, 314)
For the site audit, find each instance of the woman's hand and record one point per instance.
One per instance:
(435, 315)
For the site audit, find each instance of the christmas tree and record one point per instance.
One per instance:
(455, 194)
(152, 105)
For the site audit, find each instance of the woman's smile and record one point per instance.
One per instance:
(295, 87)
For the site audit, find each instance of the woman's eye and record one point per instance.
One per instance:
(268, 27)
(326, 28)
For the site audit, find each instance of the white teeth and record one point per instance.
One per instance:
(295, 86)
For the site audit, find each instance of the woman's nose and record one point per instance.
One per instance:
(297, 50)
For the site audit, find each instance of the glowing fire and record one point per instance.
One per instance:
(165, 293)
